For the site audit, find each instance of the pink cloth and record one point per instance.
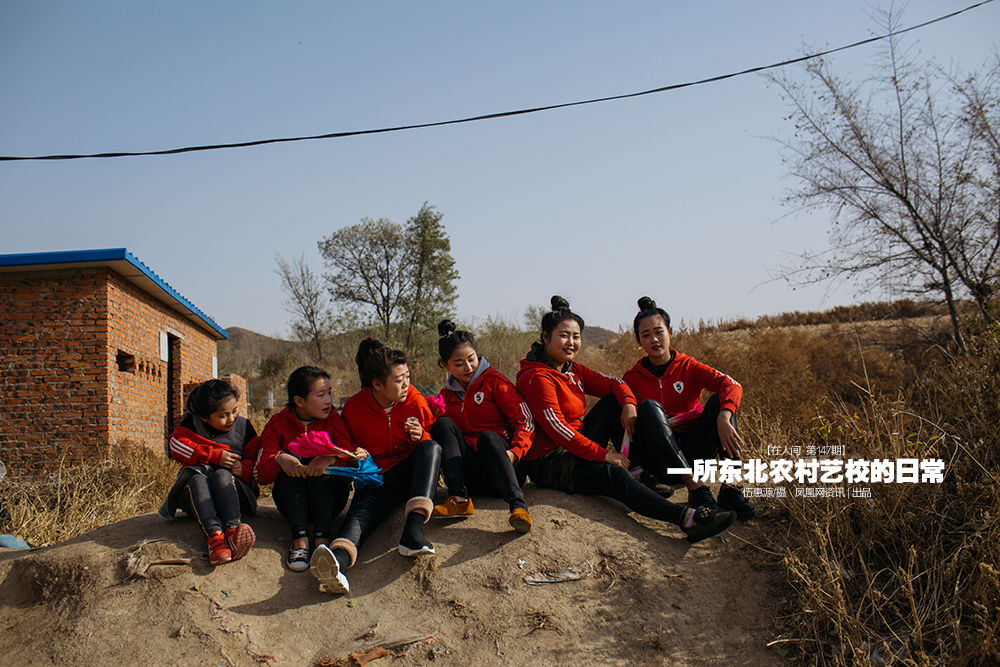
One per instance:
(312, 443)
(436, 403)
(683, 421)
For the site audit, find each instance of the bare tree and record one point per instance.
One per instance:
(306, 300)
(902, 164)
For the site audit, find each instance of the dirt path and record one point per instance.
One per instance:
(648, 597)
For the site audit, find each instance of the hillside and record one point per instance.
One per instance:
(648, 597)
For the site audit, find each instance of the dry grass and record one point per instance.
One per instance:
(908, 576)
(77, 499)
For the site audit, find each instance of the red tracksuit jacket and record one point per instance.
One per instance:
(381, 434)
(557, 401)
(189, 448)
(492, 404)
(284, 427)
(679, 390)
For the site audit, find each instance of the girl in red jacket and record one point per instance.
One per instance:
(390, 419)
(302, 492)
(487, 429)
(673, 381)
(570, 452)
(217, 448)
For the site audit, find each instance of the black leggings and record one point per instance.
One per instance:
(702, 440)
(570, 473)
(310, 500)
(416, 476)
(212, 498)
(485, 470)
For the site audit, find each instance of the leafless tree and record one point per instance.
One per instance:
(306, 300)
(907, 162)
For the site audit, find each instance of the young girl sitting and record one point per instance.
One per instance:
(217, 448)
(390, 419)
(303, 492)
(675, 381)
(570, 452)
(488, 429)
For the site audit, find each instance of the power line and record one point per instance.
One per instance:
(500, 114)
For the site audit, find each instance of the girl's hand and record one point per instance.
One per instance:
(318, 466)
(290, 465)
(617, 459)
(413, 429)
(228, 459)
(236, 469)
(728, 435)
(361, 453)
(628, 419)
(512, 457)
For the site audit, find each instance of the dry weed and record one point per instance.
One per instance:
(77, 499)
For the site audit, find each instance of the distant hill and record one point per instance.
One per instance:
(598, 336)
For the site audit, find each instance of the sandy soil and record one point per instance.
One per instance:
(648, 597)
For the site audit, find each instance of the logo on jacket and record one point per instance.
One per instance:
(478, 397)
(679, 387)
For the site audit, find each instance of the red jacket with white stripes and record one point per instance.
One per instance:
(381, 434)
(557, 401)
(188, 448)
(283, 428)
(679, 389)
(492, 404)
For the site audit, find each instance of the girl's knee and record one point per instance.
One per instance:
(488, 441)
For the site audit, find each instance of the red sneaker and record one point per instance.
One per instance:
(218, 550)
(240, 539)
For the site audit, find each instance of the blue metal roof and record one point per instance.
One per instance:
(122, 262)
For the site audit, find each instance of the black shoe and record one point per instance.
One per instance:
(708, 523)
(702, 497)
(731, 498)
(652, 483)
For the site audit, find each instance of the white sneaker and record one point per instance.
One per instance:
(413, 553)
(326, 569)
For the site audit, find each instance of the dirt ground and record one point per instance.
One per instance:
(127, 594)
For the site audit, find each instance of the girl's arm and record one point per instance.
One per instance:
(518, 415)
(599, 384)
(730, 391)
(189, 448)
(541, 395)
(265, 469)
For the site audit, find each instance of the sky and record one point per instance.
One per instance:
(677, 195)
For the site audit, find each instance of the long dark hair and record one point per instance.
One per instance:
(648, 308)
(375, 360)
(206, 398)
(451, 339)
(301, 380)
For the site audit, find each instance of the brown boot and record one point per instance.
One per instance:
(520, 520)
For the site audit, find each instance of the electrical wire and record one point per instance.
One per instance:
(500, 114)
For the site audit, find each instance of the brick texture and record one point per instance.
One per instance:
(81, 367)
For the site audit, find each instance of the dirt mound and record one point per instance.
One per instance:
(141, 591)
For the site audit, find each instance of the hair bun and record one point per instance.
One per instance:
(559, 303)
(446, 328)
(645, 303)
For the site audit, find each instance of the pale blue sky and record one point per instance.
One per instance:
(676, 195)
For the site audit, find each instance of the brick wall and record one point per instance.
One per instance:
(80, 366)
(139, 409)
(53, 370)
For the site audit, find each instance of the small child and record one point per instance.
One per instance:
(293, 455)
(217, 448)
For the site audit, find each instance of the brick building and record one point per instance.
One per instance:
(95, 349)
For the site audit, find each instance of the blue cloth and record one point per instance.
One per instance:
(10, 542)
